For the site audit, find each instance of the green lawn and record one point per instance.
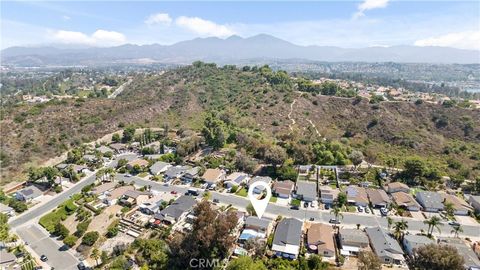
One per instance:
(351, 208)
(273, 199)
(49, 220)
(143, 174)
(295, 202)
(242, 192)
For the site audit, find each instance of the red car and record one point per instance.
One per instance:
(173, 192)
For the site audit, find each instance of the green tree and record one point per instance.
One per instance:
(70, 240)
(456, 230)
(90, 238)
(342, 199)
(356, 157)
(4, 228)
(152, 251)
(399, 229)
(213, 131)
(116, 138)
(95, 255)
(367, 260)
(449, 209)
(245, 263)
(128, 134)
(433, 222)
(61, 230)
(440, 257)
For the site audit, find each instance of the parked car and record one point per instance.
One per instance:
(173, 192)
(327, 206)
(43, 258)
(453, 223)
(367, 210)
(384, 211)
(314, 204)
(334, 221)
(216, 200)
(305, 204)
(359, 209)
(294, 207)
(312, 219)
(128, 175)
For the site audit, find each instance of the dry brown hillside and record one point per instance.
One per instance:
(33, 133)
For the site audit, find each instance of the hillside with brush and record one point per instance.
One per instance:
(256, 100)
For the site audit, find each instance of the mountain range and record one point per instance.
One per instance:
(230, 50)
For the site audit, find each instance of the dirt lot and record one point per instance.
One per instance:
(101, 222)
(71, 223)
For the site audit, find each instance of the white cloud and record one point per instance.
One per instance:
(101, 38)
(204, 27)
(159, 18)
(66, 18)
(368, 5)
(462, 40)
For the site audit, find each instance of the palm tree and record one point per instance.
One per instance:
(433, 222)
(336, 211)
(95, 255)
(456, 230)
(399, 229)
(389, 222)
(449, 209)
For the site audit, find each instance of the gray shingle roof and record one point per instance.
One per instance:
(31, 192)
(177, 208)
(307, 189)
(289, 231)
(353, 236)
(257, 222)
(382, 242)
(158, 166)
(429, 199)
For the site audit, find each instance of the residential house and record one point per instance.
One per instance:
(6, 210)
(101, 189)
(154, 204)
(397, 187)
(475, 203)
(267, 180)
(471, 260)
(263, 225)
(190, 175)
(112, 197)
(460, 206)
(90, 158)
(385, 246)
(159, 167)
(378, 197)
(328, 195)
(135, 197)
(213, 176)
(28, 194)
(352, 241)
(320, 239)
(283, 189)
(357, 195)
(255, 228)
(140, 162)
(80, 168)
(175, 172)
(430, 201)
(235, 179)
(176, 211)
(304, 169)
(287, 237)
(306, 191)
(104, 149)
(406, 201)
(411, 241)
(118, 147)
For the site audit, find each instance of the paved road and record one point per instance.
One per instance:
(39, 240)
(349, 219)
(34, 214)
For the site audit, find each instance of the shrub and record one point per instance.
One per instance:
(61, 230)
(70, 240)
(90, 238)
(82, 228)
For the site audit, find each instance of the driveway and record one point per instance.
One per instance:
(39, 240)
(466, 220)
(418, 215)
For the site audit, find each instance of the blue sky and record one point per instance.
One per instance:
(341, 23)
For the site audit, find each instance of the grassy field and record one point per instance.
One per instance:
(273, 199)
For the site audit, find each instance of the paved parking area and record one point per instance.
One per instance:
(39, 240)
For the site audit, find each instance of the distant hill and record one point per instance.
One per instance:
(231, 50)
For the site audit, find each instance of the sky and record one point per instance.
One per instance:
(348, 24)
